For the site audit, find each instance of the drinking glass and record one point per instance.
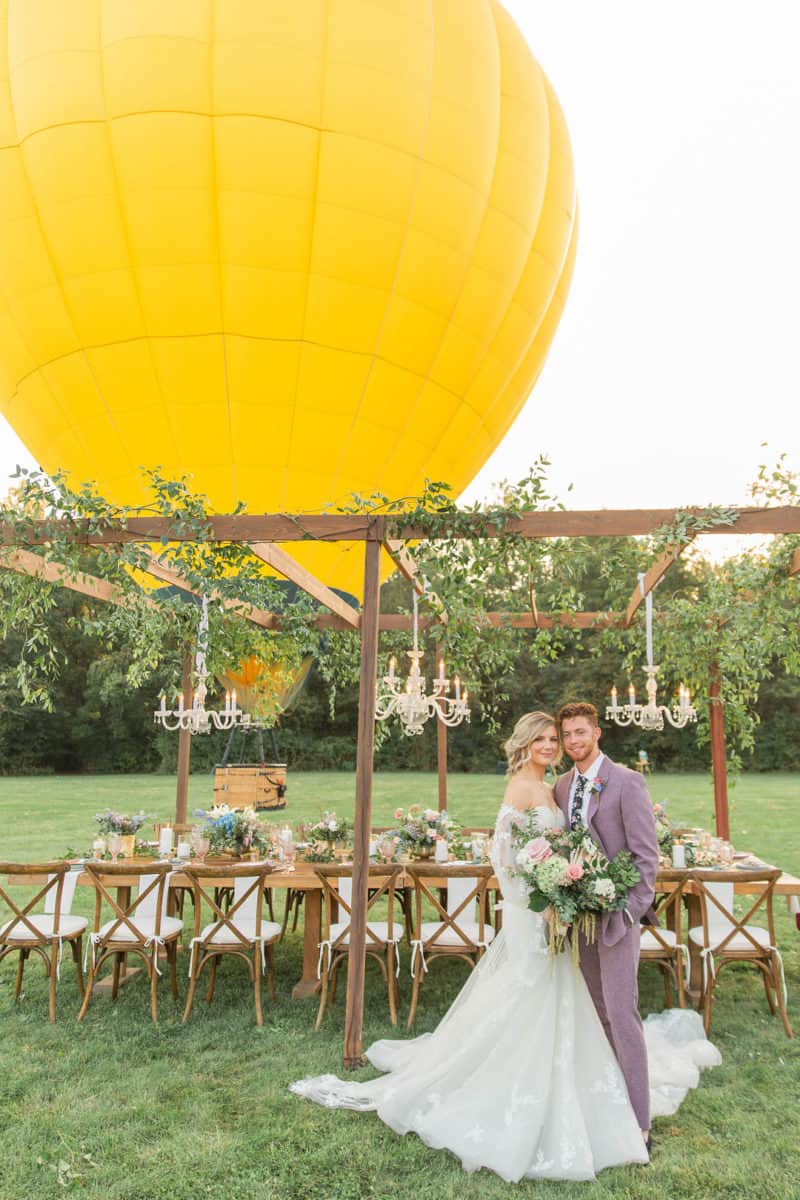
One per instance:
(725, 854)
(387, 847)
(200, 845)
(114, 845)
(184, 848)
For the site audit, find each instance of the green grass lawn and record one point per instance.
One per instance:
(117, 1108)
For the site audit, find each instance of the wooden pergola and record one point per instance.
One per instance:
(377, 532)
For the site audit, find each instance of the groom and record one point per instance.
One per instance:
(612, 803)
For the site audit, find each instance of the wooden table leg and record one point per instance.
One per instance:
(309, 984)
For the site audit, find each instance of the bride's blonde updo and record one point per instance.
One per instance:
(527, 729)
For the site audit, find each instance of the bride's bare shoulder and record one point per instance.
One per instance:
(522, 793)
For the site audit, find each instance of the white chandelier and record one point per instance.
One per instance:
(410, 702)
(198, 718)
(650, 716)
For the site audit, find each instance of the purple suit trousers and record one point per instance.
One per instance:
(620, 817)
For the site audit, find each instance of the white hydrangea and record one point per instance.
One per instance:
(605, 888)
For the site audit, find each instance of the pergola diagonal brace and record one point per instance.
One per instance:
(287, 566)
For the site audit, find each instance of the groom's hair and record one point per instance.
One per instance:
(578, 708)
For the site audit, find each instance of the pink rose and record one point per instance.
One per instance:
(574, 872)
(398, 814)
(431, 814)
(538, 850)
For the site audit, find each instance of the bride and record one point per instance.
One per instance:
(519, 1076)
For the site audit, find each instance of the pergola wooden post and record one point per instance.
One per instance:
(356, 959)
(719, 764)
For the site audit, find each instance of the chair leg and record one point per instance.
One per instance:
(270, 972)
(172, 959)
(391, 983)
(212, 979)
(53, 973)
(667, 989)
(323, 997)
(257, 988)
(680, 982)
(298, 901)
(192, 987)
(154, 986)
(334, 977)
(767, 978)
(781, 1002)
(23, 955)
(118, 961)
(87, 990)
(77, 953)
(708, 997)
(415, 992)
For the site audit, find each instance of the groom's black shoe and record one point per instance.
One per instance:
(649, 1144)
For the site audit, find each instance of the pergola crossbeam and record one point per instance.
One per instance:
(354, 528)
(652, 577)
(408, 567)
(24, 562)
(292, 570)
(258, 616)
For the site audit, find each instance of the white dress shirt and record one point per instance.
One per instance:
(589, 774)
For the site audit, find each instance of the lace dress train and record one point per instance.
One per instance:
(518, 1076)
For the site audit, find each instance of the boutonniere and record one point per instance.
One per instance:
(596, 786)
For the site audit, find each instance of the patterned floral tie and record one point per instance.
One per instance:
(576, 812)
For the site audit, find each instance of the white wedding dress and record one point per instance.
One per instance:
(519, 1076)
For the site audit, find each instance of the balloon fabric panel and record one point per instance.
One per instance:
(294, 249)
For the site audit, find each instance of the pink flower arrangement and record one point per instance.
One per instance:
(398, 814)
(538, 850)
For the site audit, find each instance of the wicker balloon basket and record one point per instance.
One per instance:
(262, 787)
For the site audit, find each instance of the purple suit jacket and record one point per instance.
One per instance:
(620, 817)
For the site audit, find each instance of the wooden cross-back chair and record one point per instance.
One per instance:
(663, 944)
(237, 929)
(139, 926)
(724, 938)
(42, 933)
(456, 933)
(382, 937)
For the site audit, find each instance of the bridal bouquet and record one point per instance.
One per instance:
(568, 872)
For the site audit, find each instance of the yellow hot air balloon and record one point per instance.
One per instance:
(296, 248)
(266, 689)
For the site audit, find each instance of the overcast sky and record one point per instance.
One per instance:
(678, 351)
(677, 355)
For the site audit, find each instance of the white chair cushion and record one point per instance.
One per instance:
(737, 942)
(379, 928)
(649, 941)
(170, 928)
(449, 937)
(67, 927)
(226, 937)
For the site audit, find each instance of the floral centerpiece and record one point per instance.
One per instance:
(567, 871)
(419, 829)
(114, 822)
(123, 825)
(329, 830)
(233, 830)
